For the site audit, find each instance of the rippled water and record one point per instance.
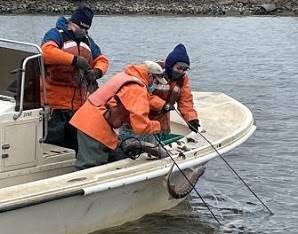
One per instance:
(254, 60)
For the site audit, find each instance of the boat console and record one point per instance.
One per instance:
(23, 118)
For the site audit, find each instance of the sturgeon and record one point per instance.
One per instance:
(182, 187)
(136, 147)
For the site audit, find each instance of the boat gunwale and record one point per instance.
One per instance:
(182, 163)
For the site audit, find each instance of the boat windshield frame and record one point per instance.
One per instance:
(22, 76)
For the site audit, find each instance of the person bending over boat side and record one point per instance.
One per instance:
(122, 99)
(176, 90)
(73, 61)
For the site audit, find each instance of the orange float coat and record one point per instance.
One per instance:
(64, 86)
(131, 96)
(162, 94)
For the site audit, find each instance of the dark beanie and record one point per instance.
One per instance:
(179, 54)
(82, 16)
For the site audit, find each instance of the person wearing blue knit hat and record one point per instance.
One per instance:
(177, 63)
(176, 90)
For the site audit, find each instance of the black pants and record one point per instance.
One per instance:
(60, 132)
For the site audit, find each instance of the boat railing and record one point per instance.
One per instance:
(38, 55)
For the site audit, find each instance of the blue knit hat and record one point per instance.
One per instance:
(82, 16)
(178, 55)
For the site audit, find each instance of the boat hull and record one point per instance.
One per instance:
(85, 214)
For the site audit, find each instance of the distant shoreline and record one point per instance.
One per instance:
(155, 7)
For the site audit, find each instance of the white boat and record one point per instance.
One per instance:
(40, 193)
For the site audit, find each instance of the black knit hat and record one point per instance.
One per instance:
(82, 16)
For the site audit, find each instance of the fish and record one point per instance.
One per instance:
(138, 147)
(183, 186)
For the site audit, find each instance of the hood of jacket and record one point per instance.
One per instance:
(179, 54)
(62, 24)
(140, 71)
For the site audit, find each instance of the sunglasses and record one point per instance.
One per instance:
(184, 69)
(80, 27)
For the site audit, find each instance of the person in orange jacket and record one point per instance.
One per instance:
(122, 99)
(177, 91)
(163, 96)
(73, 62)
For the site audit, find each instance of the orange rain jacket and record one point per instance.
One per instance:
(135, 101)
(184, 102)
(58, 49)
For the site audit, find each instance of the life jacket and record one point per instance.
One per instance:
(67, 75)
(115, 112)
(99, 125)
(170, 93)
